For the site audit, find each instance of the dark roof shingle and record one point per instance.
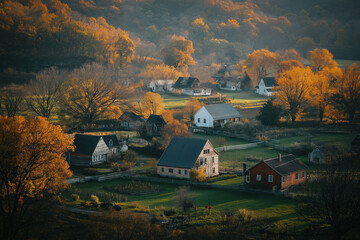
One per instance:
(288, 164)
(130, 117)
(113, 138)
(85, 144)
(269, 81)
(222, 111)
(186, 82)
(156, 119)
(182, 152)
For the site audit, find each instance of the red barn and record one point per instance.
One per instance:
(277, 173)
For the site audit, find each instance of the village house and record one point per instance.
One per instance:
(316, 156)
(191, 86)
(154, 125)
(131, 121)
(230, 83)
(113, 144)
(90, 150)
(159, 86)
(216, 115)
(276, 173)
(266, 86)
(183, 154)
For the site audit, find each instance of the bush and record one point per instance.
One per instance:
(170, 212)
(94, 200)
(75, 197)
(198, 176)
(131, 157)
(122, 166)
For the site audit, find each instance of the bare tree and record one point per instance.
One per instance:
(11, 99)
(44, 91)
(184, 199)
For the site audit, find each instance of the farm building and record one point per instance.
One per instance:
(191, 86)
(276, 173)
(316, 156)
(161, 85)
(130, 121)
(216, 115)
(184, 154)
(89, 150)
(230, 84)
(266, 86)
(113, 144)
(154, 125)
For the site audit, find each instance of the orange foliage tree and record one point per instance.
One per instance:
(153, 104)
(161, 71)
(178, 52)
(294, 88)
(33, 167)
(321, 58)
(192, 106)
(174, 129)
(262, 62)
(198, 175)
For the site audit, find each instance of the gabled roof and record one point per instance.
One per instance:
(186, 82)
(182, 152)
(131, 117)
(287, 165)
(222, 111)
(269, 81)
(157, 119)
(114, 141)
(85, 144)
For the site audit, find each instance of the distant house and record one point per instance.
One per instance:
(266, 86)
(276, 173)
(184, 154)
(90, 150)
(216, 115)
(230, 84)
(191, 86)
(154, 125)
(131, 121)
(316, 156)
(161, 85)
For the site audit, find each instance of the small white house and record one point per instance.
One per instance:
(317, 157)
(266, 86)
(161, 85)
(216, 115)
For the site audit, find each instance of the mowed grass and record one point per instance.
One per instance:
(229, 140)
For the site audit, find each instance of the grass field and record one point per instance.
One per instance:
(229, 140)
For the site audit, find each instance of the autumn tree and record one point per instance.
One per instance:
(321, 58)
(262, 62)
(347, 94)
(293, 90)
(125, 48)
(161, 71)
(152, 104)
(192, 106)
(91, 92)
(44, 91)
(184, 199)
(178, 52)
(174, 129)
(11, 99)
(33, 167)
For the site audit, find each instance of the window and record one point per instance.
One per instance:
(297, 176)
(205, 161)
(179, 171)
(213, 170)
(201, 162)
(270, 178)
(171, 170)
(198, 120)
(247, 178)
(258, 177)
(204, 120)
(283, 179)
(185, 172)
(213, 160)
(102, 157)
(206, 151)
(303, 174)
(162, 169)
(111, 142)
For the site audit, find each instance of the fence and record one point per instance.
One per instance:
(238, 147)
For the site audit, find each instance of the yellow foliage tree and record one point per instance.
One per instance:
(192, 106)
(162, 71)
(198, 175)
(262, 62)
(294, 89)
(321, 58)
(32, 164)
(178, 53)
(174, 129)
(152, 104)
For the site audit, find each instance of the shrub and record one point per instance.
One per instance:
(245, 215)
(131, 157)
(75, 197)
(94, 200)
(170, 212)
(198, 175)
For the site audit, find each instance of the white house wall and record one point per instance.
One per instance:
(101, 153)
(203, 114)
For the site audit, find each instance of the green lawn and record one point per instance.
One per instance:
(236, 181)
(229, 140)
(173, 102)
(246, 99)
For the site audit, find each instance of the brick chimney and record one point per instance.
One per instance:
(279, 157)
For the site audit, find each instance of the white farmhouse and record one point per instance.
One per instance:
(161, 85)
(216, 115)
(266, 86)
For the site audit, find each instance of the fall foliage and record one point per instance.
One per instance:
(178, 52)
(198, 175)
(174, 129)
(32, 166)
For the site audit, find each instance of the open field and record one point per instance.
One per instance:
(229, 140)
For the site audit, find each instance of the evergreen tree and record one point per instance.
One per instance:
(269, 114)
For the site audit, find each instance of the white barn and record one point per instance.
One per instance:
(216, 115)
(161, 85)
(266, 86)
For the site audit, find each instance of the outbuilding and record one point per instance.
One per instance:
(216, 115)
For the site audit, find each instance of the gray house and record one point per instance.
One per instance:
(113, 144)
(184, 154)
(131, 121)
(317, 156)
(90, 150)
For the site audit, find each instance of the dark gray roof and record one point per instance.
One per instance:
(113, 138)
(85, 144)
(222, 111)
(130, 117)
(288, 164)
(269, 81)
(182, 152)
(186, 82)
(156, 119)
